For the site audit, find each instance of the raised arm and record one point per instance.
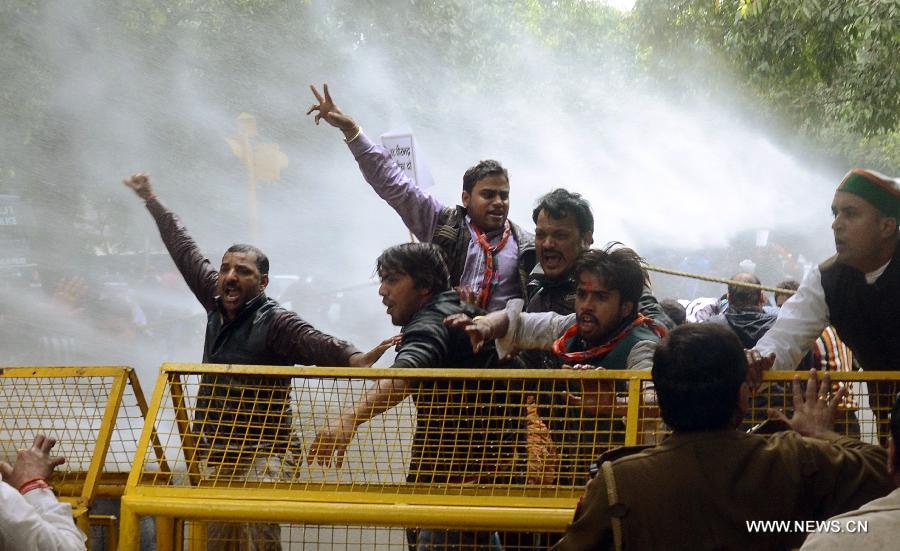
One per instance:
(418, 209)
(196, 269)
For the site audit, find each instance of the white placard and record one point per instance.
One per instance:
(402, 148)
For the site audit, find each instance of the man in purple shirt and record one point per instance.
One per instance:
(490, 258)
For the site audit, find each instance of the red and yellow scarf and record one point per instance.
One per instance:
(560, 347)
(488, 283)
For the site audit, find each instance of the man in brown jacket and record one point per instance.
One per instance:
(709, 486)
(244, 423)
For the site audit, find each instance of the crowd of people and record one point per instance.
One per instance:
(478, 290)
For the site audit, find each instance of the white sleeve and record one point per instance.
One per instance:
(529, 331)
(800, 322)
(37, 520)
(641, 356)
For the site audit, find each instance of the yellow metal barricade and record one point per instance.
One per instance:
(96, 414)
(489, 453)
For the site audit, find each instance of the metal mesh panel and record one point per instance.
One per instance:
(505, 451)
(484, 433)
(197, 535)
(79, 407)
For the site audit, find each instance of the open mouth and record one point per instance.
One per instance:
(587, 322)
(551, 260)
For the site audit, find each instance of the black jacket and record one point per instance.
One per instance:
(463, 433)
(452, 236)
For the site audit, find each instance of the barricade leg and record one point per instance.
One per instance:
(129, 528)
(165, 534)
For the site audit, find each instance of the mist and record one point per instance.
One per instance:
(142, 89)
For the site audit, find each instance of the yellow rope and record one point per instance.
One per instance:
(721, 280)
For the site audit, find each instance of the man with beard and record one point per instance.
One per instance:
(488, 256)
(564, 229)
(857, 290)
(244, 422)
(605, 332)
(461, 434)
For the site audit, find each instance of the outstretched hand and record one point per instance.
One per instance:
(140, 184)
(32, 463)
(597, 397)
(369, 358)
(477, 331)
(330, 445)
(813, 413)
(326, 109)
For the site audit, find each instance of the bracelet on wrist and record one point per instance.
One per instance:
(150, 197)
(38, 483)
(355, 136)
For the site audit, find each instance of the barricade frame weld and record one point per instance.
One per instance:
(341, 504)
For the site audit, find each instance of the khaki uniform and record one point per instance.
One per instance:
(699, 490)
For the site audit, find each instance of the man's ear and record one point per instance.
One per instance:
(888, 226)
(626, 308)
(587, 239)
(264, 281)
(465, 199)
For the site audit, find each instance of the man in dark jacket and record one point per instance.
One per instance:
(488, 256)
(710, 486)
(564, 229)
(459, 437)
(605, 332)
(241, 420)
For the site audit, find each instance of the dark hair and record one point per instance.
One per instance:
(482, 170)
(895, 431)
(262, 261)
(674, 310)
(423, 262)
(743, 297)
(621, 269)
(698, 370)
(560, 203)
(791, 284)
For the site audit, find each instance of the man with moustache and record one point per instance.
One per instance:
(857, 290)
(605, 332)
(488, 256)
(564, 229)
(244, 422)
(461, 434)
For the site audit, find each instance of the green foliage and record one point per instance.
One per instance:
(827, 67)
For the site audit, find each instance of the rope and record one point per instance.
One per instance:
(721, 280)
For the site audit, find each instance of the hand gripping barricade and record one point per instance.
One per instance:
(488, 457)
(96, 414)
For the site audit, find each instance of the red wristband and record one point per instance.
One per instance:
(38, 483)
(150, 197)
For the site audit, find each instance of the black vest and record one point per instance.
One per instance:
(866, 316)
(243, 340)
(452, 236)
(243, 412)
